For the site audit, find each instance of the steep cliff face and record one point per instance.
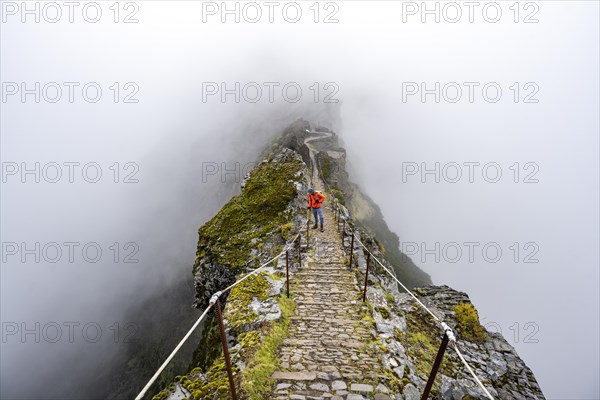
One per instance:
(398, 339)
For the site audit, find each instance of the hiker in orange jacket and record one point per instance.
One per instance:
(315, 199)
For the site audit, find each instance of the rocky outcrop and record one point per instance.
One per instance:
(247, 230)
(413, 340)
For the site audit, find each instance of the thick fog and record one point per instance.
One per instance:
(490, 179)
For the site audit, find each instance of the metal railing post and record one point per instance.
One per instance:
(225, 349)
(351, 248)
(287, 272)
(436, 366)
(307, 231)
(299, 255)
(366, 276)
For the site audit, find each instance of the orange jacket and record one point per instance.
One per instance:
(316, 199)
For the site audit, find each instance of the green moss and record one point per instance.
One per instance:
(422, 341)
(379, 246)
(390, 299)
(285, 230)
(383, 311)
(249, 339)
(339, 195)
(214, 386)
(326, 167)
(397, 334)
(423, 350)
(161, 396)
(394, 384)
(468, 322)
(238, 312)
(256, 377)
(245, 221)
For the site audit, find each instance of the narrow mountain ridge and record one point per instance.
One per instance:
(324, 342)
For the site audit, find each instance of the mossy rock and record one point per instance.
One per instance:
(238, 311)
(247, 219)
(383, 311)
(468, 325)
(256, 378)
(422, 340)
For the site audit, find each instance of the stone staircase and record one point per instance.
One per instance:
(330, 352)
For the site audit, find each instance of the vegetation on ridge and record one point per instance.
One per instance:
(246, 219)
(468, 322)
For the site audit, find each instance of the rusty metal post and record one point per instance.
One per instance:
(436, 366)
(287, 272)
(366, 276)
(307, 232)
(299, 255)
(225, 350)
(351, 248)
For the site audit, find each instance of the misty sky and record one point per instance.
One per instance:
(540, 132)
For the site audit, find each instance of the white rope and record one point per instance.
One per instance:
(471, 371)
(397, 280)
(188, 334)
(445, 327)
(164, 364)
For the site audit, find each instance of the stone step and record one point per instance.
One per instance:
(294, 376)
(325, 303)
(327, 279)
(329, 349)
(324, 262)
(332, 272)
(316, 282)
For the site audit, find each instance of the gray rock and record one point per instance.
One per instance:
(353, 396)
(382, 389)
(338, 385)
(381, 396)
(294, 376)
(411, 392)
(320, 387)
(385, 328)
(360, 387)
(399, 371)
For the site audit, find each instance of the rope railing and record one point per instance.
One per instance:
(447, 330)
(448, 333)
(214, 302)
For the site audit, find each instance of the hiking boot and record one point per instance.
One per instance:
(321, 227)
(315, 226)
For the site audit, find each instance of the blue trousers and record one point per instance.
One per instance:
(318, 213)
